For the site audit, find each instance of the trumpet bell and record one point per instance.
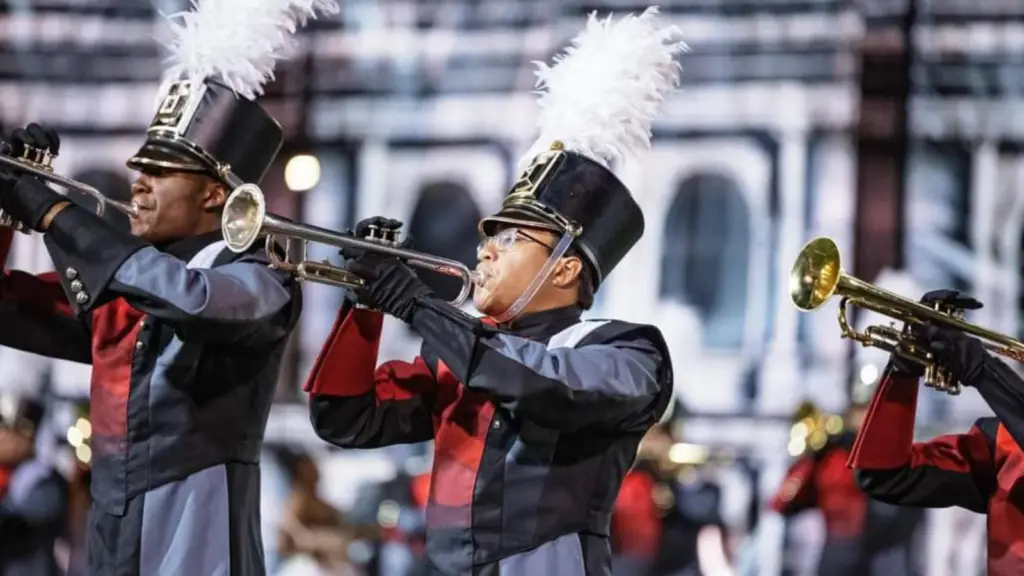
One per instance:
(815, 275)
(243, 215)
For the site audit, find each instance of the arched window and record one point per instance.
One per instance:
(112, 184)
(705, 256)
(444, 224)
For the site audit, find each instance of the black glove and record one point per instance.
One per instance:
(391, 287)
(946, 344)
(33, 138)
(25, 198)
(374, 225)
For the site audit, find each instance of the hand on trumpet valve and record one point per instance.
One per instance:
(960, 356)
(24, 198)
(35, 144)
(377, 229)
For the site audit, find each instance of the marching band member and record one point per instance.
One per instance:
(862, 538)
(535, 415)
(34, 503)
(667, 519)
(977, 470)
(185, 337)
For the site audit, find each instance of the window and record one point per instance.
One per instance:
(444, 224)
(705, 256)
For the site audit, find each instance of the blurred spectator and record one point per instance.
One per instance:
(33, 507)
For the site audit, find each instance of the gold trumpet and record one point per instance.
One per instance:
(817, 276)
(245, 219)
(37, 163)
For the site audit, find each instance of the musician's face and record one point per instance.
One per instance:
(511, 259)
(175, 205)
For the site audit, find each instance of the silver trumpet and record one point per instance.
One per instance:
(245, 219)
(37, 163)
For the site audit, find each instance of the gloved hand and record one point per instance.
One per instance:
(364, 229)
(25, 198)
(391, 286)
(32, 138)
(963, 355)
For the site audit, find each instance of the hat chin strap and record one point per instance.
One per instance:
(542, 276)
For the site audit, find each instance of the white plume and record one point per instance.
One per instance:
(602, 94)
(237, 42)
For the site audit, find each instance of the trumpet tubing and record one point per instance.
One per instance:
(41, 171)
(817, 276)
(245, 219)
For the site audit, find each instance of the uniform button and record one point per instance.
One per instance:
(71, 273)
(143, 325)
(497, 424)
(140, 345)
(76, 285)
(81, 297)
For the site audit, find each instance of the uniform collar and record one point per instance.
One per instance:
(544, 324)
(189, 247)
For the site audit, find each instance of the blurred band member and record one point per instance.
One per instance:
(536, 415)
(185, 337)
(862, 538)
(666, 520)
(34, 506)
(979, 470)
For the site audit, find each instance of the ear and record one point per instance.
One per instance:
(214, 194)
(567, 272)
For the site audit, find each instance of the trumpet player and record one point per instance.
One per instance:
(978, 470)
(862, 538)
(185, 337)
(535, 414)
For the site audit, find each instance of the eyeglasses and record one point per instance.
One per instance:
(506, 239)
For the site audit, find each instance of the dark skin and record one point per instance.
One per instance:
(173, 205)
(508, 274)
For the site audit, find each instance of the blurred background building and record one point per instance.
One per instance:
(893, 126)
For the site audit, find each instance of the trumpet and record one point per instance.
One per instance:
(37, 163)
(245, 219)
(817, 276)
(812, 427)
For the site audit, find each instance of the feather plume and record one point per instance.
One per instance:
(237, 42)
(601, 95)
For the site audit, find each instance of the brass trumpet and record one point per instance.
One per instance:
(245, 219)
(817, 275)
(37, 163)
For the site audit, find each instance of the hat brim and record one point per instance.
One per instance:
(153, 155)
(518, 216)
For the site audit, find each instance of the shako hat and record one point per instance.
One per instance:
(222, 52)
(597, 101)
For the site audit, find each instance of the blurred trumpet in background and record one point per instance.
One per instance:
(812, 427)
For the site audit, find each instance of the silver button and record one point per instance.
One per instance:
(143, 325)
(497, 424)
(71, 273)
(140, 345)
(81, 297)
(76, 285)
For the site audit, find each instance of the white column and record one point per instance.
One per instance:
(984, 198)
(781, 382)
